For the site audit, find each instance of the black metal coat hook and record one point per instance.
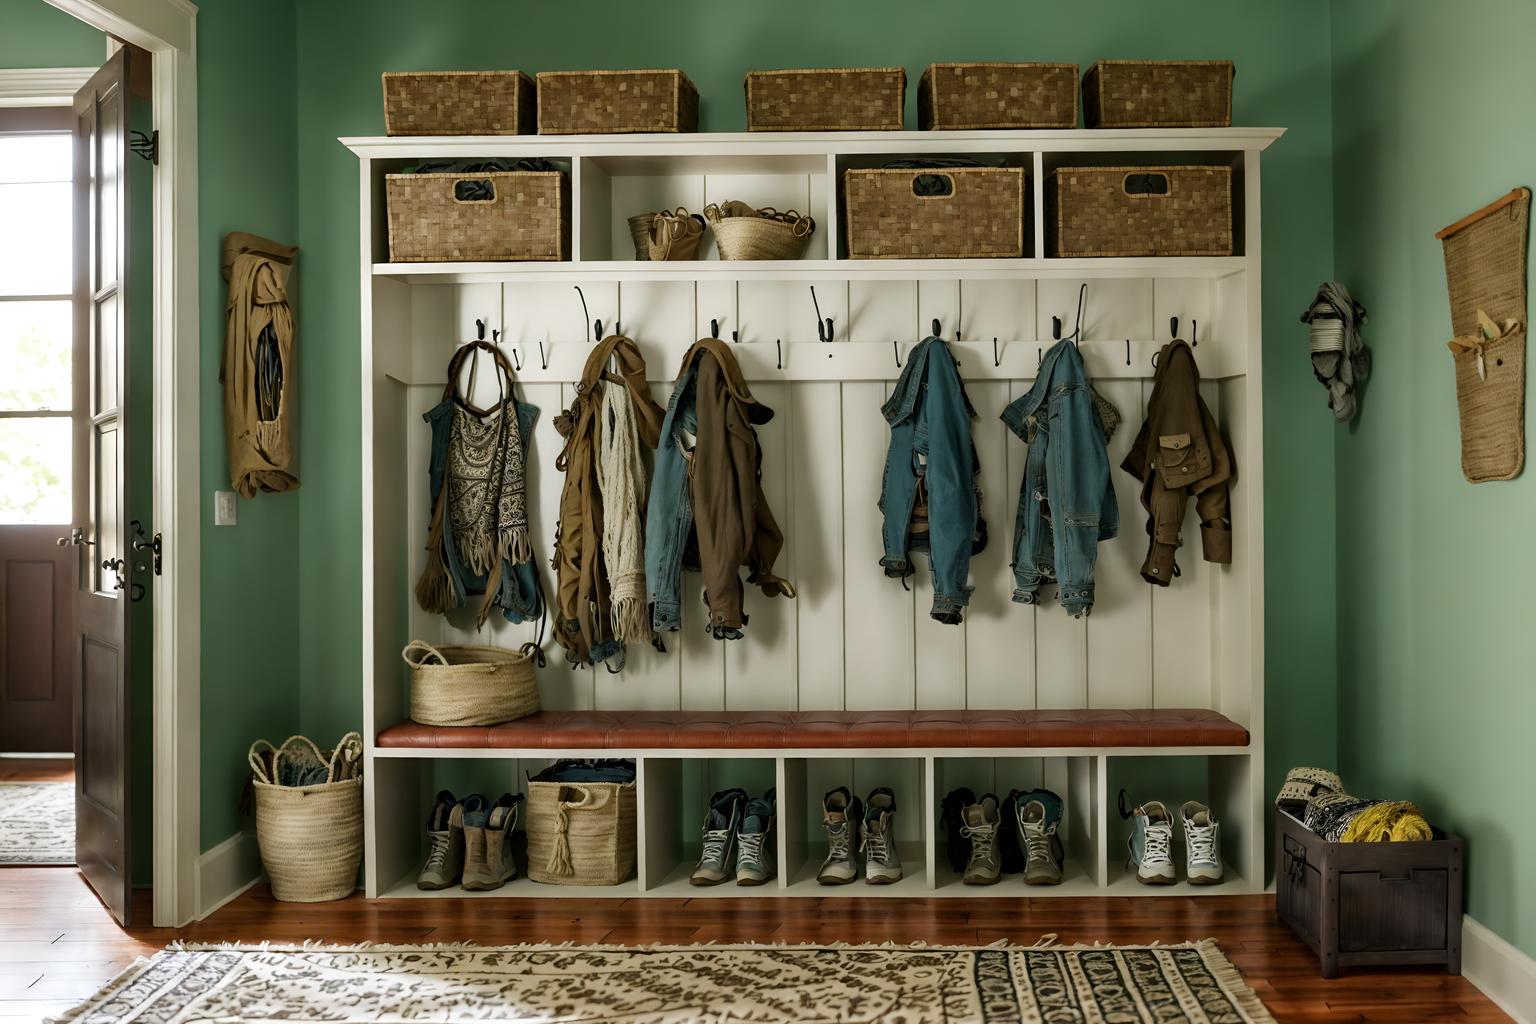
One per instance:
(543, 356)
(1194, 334)
(517, 362)
(896, 351)
(479, 330)
(1127, 351)
(1056, 328)
(938, 328)
(996, 359)
(597, 325)
(778, 346)
(714, 328)
(823, 326)
(1173, 327)
(1077, 328)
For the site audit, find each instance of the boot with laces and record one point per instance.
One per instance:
(1039, 815)
(445, 842)
(717, 859)
(882, 864)
(981, 819)
(841, 814)
(488, 862)
(1151, 844)
(1202, 847)
(755, 841)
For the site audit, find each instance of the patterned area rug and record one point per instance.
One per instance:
(1191, 982)
(37, 822)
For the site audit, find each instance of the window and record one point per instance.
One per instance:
(36, 332)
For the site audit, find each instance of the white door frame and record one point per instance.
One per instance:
(168, 30)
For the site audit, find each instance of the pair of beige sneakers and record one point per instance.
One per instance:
(470, 843)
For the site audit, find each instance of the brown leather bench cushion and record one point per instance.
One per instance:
(765, 730)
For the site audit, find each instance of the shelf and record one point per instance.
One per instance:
(1211, 267)
(793, 753)
(1122, 881)
(519, 888)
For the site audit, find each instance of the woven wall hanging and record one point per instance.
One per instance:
(1485, 254)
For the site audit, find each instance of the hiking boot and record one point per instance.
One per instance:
(445, 834)
(882, 864)
(1038, 816)
(755, 840)
(1151, 843)
(717, 861)
(983, 866)
(1202, 849)
(488, 862)
(841, 813)
(950, 824)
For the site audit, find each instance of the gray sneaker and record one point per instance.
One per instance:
(882, 864)
(1039, 817)
(755, 841)
(840, 816)
(717, 860)
(1202, 845)
(488, 862)
(445, 835)
(1151, 844)
(980, 822)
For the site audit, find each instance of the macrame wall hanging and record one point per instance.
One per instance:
(1485, 259)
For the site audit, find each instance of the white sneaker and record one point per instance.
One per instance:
(1151, 844)
(840, 814)
(1202, 846)
(882, 864)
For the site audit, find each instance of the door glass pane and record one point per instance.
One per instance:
(35, 224)
(35, 158)
(34, 470)
(35, 348)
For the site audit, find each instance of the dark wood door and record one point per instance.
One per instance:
(103, 111)
(36, 607)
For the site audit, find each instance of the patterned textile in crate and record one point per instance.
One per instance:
(892, 215)
(513, 215)
(992, 95)
(1158, 94)
(826, 99)
(458, 103)
(1139, 211)
(616, 102)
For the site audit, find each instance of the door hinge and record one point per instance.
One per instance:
(146, 146)
(143, 543)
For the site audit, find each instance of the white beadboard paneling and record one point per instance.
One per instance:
(715, 300)
(999, 634)
(1112, 310)
(881, 311)
(816, 529)
(1188, 299)
(659, 316)
(1004, 310)
(783, 310)
(1120, 628)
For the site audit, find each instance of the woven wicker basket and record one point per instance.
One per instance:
(458, 103)
(616, 102)
(469, 685)
(744, 233)
(310, 837)
(1158, 94)
(527, 217)
(826, 99)
(674, 235)
(640, 232)
(983, 95)
(887, 218)
(581, 833)
(1139, 211)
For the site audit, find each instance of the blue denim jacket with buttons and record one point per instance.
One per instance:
(669, 513)
(1066, 502)
(932, 470)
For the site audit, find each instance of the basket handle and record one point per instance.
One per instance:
(259, 770)
(421, 647)
(348, 750)
(948, 179)
(1147, 185)
(560, 853)
(470, 191)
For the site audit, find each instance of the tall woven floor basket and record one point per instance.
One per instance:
(311, 837)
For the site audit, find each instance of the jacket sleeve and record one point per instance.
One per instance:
(724, 485)
(1077, 476)
(947, 448)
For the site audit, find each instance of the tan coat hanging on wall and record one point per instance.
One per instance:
(258, 368)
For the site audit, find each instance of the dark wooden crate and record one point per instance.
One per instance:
(1370, 904)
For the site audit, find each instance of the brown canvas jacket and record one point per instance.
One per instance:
(1180, 453)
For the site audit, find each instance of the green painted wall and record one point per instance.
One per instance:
(35, 35)
(1435, 581)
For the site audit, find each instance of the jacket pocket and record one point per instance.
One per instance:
(1182, 459)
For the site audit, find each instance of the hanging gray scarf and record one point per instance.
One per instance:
(1340, 360)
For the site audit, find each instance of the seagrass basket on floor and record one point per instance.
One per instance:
(1158, 94)
(581, 833)
(934, 213)
(826, 99)
(453, 685)
(616, 102)
(995, 95)
(490, 215)
(745, 233)
(1139, 211)
(310, 836)
(458, 103)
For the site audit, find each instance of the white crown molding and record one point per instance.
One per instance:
(1502, 972)
(41, 87)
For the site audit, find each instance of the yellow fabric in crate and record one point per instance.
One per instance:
(1394, 822)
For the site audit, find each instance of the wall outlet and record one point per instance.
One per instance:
(224, 508)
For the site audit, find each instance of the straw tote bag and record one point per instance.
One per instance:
(581, 833)
(310, 837)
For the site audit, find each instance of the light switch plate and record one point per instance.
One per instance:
(224, 508)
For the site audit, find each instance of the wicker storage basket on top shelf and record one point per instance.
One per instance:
(458, 103)
(616, 102)
(1139, 211)
(1158, 94)
(456, 685)
(938, 213)
(493, 215)
(983, 95)
(581, 833)
(826, 99)
(310, 837)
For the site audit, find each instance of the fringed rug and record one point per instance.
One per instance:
(765, 984)
(37, 822)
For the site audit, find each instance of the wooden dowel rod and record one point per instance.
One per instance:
(1515, 195)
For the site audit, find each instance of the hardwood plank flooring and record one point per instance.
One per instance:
(57, 945)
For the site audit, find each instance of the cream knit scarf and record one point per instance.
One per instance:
(621, 481)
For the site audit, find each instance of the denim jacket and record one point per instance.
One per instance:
(519, 595)
(669, 514)
(929, 496)
(1066, 502)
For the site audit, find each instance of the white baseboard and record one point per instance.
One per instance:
(226, 871)
(1502, 972)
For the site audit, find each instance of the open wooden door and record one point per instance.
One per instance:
(104, 586)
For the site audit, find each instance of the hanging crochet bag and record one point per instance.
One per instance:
(580, 833)
(309, 816)
(470, 684)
